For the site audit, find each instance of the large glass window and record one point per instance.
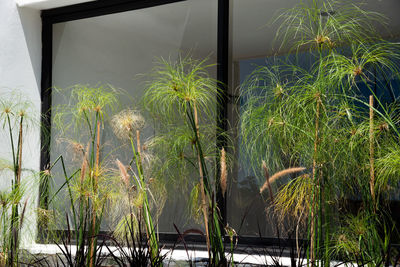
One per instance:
(120, 50)
(117, 49)
(257, 43)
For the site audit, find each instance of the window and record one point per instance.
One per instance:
(106, 43)
(120, 49)
(255, 44)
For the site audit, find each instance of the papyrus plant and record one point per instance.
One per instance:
(90, 186)
(182, 97)
(298, 115)
(17, 115)
(127, 125)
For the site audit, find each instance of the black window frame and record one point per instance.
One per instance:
(105, 7)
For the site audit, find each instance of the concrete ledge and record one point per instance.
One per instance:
(177, 255)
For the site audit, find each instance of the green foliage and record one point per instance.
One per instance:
(127, 124)
(92, 186)
(17, 115)
(182, 98)
(312, 24)
(314, 118)
(83, 104)
(176, 83)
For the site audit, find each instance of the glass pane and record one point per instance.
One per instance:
(119, 50)
(257, 44)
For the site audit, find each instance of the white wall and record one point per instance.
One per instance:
(20, 63)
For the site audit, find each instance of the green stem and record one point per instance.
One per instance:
(12, 146)
(216, 239)
(153, 241)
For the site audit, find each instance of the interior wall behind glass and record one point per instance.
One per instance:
(119, 50)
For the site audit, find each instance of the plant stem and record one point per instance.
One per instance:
(203, 194)
(12, 145)
(95, 182)
(371, 150)
(315, 185)
(150, 230)
(19, 151)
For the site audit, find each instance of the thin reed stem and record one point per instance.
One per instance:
(93, 242)
(315, 186)
(371, 150)
(203, 194)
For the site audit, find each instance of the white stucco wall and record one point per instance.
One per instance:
(20, 63)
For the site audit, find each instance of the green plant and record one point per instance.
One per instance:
(135, 250)
(127, 125)
(182, 99)
(90, 187)
(17, 115)
(311, 117)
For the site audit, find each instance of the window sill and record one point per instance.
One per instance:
(176, 256)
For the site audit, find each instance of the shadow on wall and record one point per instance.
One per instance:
(32, 27)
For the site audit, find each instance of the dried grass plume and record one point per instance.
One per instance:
(224, 174)
(280, 174)
(123, 172)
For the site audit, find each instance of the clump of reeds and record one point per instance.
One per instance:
(127, 125)
(183, 97)
(16, 115)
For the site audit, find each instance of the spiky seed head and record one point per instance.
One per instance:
(384, 127)
(126, 122)
(231, 233)
(175, 87)
(77, 147)
(123, 173)
(278, 92)
(97, 108)
(342, 238)
(224, 174)
(280, 174)
(321, 39)
(357, 71)
(265, 169)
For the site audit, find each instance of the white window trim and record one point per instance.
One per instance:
(47, 4)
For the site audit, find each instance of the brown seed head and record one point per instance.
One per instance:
(223, 180)
(278, 92)
(357, 71)
(280, 174)
(321, 39)
(384, 127)
(123, 173)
